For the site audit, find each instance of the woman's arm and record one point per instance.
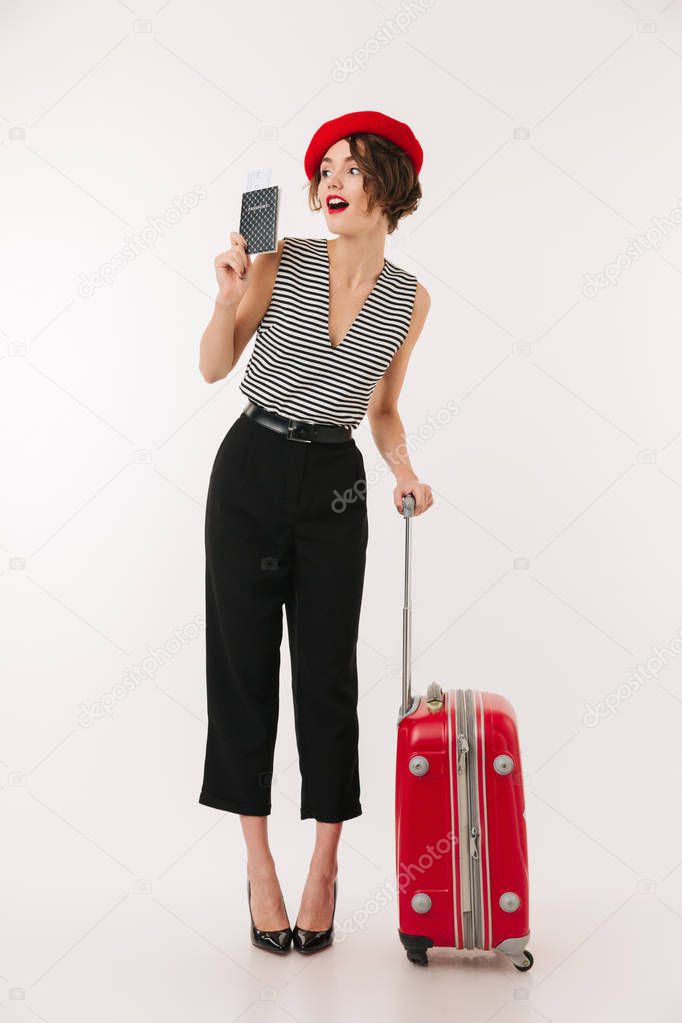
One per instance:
(386, 425)
(236, 316)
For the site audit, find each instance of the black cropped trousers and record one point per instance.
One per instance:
(286, 527)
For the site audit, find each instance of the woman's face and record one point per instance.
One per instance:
(341, 176)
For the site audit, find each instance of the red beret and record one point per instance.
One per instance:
(362, 120)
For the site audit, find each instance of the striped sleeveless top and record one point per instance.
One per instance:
(294, 370)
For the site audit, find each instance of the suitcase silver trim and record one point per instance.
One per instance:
(485, 818)
(514, 948)
(410, 710)
(455, 843)
(474, 821)
(462, 784)
(466, 781)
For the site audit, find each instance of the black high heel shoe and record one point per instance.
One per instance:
(272, 941)
(313, 941)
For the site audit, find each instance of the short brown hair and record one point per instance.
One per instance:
(389, 177)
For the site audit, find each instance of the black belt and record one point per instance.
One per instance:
(298, 429)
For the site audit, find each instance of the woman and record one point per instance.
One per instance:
(286, 516)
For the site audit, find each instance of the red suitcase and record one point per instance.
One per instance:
(461, 850)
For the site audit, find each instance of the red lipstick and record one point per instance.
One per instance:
(338, 205)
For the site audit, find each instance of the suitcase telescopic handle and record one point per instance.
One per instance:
(408, 513)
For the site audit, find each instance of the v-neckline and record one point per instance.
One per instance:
(325, 242)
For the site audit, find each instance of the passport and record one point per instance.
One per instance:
(258, 219)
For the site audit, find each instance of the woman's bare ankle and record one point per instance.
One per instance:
(261, 868)
(323, 870)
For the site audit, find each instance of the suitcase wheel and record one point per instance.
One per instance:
(527, 965)
(415, 946)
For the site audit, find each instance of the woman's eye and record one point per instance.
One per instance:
(326, 170)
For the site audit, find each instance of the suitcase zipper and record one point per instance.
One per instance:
(469, 829)
(463, 812)
(474, 823)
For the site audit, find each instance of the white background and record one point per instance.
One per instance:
(551, 134)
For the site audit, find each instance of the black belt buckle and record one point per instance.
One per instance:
(290, 436)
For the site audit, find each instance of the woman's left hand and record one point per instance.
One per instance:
(423, 498)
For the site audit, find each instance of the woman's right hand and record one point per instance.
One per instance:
(232, 270)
